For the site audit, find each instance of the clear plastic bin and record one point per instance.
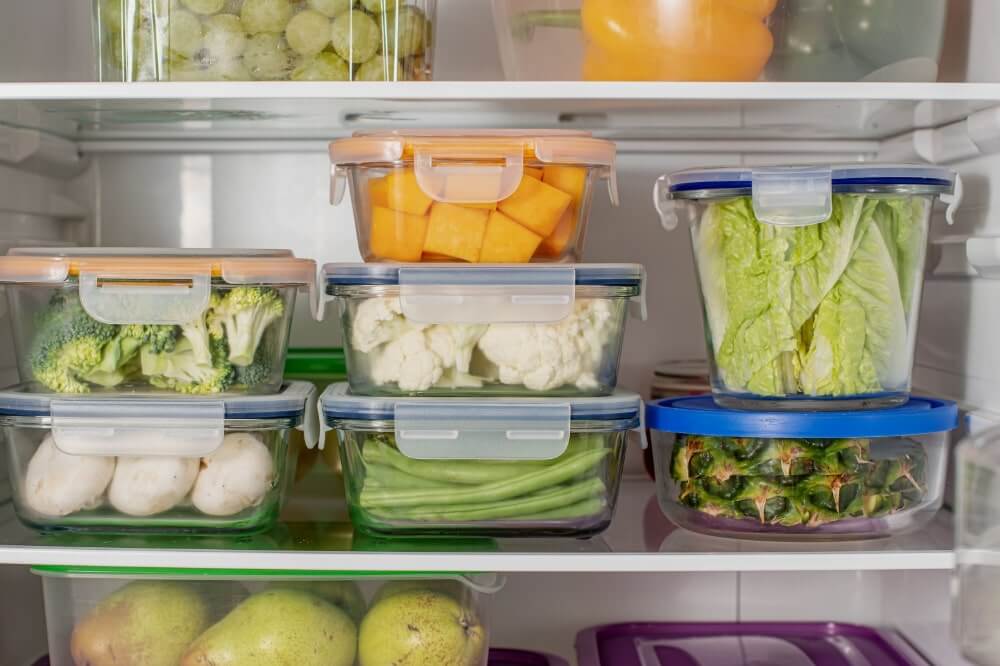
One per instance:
(189, 617)
(800, 476)
(710, 40)
(499, 330)
(468, 467)
(976, 612)
(134, 320)
(119, 465)
(264, 40)
(810, 278)
(480, 197)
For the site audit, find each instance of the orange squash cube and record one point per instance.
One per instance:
(534, 172)
(570, 179)
(396, 235)
(480, 206)
(506, 241)
(403, 193)
(456, 231)
(555, 244)
(535, 205)
(378, 192)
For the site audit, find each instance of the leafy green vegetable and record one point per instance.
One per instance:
(821, 309)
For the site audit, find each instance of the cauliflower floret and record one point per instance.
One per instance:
(408, 362)
(378, 321)
(454, 344)
(546, 356)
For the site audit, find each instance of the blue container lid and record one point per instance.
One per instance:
(848, 178)
(699, 415)
(595, 275)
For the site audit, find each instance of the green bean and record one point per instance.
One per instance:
(588, 507)
(382, 476)
(470, 472)
(491, 492)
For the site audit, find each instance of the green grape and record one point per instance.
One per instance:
(356, 36)
(232, 7)
(230, 70)
(324, 66)
(379, 68)
(266, 57)
(331, 8)
(185, 33)
(204, 6)
(111, 16)
(225, 38)
(406, 32)
(379, 6)
(265, 15)
(308, 32)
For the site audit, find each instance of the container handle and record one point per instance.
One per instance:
(137, 427)
(792, 196)
(953, 199)
(482, 430)
(486, 295)
(663, 204)
(450, 174)
(310, 426)
(126, 299)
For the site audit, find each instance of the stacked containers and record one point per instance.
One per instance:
(142, 361)
(810, 280)
(483, 357)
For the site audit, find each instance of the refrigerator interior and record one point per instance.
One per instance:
(159, 167)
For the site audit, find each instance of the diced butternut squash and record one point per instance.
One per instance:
(537, 206)
(378, 192)
(396, 235)
(478, 185)
(555, 244)
(435, 258)
(403, 193)
(506, 241)
(455, 231)
(534, 172)
(480, 206)
(570, 179)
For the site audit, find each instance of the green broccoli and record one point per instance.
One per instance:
(181, 371)
(257, 372)
(245, 313)
(69, 344)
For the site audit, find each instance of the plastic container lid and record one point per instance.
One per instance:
(743, 644)
(699, 415)
(135, 424)
(483, 428)
(470, 166)
(800, 196)
(497, 293)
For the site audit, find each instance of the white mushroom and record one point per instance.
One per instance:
(58, 484)
(237, 476)
(150, 485)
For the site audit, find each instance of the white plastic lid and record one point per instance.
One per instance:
(151, 425)
(521, 293)
(798, 196)
(483, 428)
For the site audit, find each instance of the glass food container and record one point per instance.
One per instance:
(115, 464)
(800, 476)
(471, 330)
(976, 612)
(133, 320)
(481, 467)
(743, 644)
(810, 278)
(264, 40)
(497, 196)
(191, 617)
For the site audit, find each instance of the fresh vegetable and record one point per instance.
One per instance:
(820, 310)
(227, 346)
(797, 483)
(653, 40)
(391, 487)
(318, 40)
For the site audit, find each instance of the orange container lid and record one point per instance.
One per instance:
(54, 265)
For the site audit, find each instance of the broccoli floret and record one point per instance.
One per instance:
(68, 345)
(119, 359)
(245, 313)
(257, 372)
(158, 337)
(181, 370)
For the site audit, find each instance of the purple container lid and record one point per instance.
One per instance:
(742, 644)
(508, 657)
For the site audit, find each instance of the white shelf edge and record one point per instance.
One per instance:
(503, 91)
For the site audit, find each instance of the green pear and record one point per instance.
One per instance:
(344, 594)
(278, 627)
(421, 628)
(145, 623)
(451, 588)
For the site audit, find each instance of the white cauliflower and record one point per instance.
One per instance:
(378, 321)
(546, 356)
(408, 362)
